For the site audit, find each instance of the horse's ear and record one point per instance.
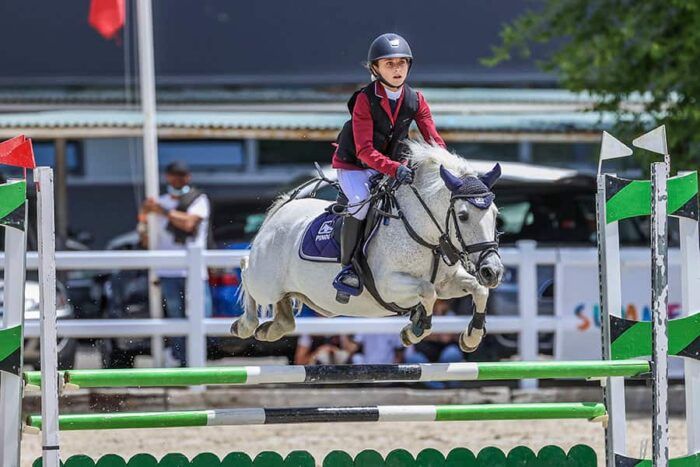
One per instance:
(489, 178)
(452, 182)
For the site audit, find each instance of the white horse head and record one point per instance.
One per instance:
(459, 202)
(447, 181)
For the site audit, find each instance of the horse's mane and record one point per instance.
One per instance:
(427, 158)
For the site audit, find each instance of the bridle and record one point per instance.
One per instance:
(446, 249)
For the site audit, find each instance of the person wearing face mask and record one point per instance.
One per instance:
(371, 142)
(183, 214)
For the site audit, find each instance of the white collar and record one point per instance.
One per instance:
(393, 95)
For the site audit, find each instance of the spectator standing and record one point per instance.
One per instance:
(183, 214)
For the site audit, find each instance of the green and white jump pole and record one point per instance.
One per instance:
(16, 152)
(13, 212)
(383, 413)
(619, 199)
(343, 374)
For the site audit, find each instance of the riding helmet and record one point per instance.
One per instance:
(389, 45)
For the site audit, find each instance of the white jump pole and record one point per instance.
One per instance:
(43, 177)
(610, 304)
(659, 313)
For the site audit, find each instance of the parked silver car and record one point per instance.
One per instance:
(67, 347)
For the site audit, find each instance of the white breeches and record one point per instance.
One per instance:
(355, 185)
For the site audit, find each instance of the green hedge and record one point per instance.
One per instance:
(549, 456)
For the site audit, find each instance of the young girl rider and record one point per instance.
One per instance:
(370, 142)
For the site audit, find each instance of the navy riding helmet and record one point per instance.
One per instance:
(389, 45)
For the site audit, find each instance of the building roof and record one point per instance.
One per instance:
(297, 125)
(218, 95)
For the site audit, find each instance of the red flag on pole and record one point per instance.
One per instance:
(107, 16)
(17, 152)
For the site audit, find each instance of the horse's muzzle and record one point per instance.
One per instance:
(490, 271)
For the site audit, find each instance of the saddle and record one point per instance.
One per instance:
(321, 239)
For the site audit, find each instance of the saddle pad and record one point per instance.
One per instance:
(319, 243)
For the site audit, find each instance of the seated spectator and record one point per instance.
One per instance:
(437, 348)
(323, 350)
(377, 349)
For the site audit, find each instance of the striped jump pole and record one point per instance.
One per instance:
(342, 374)
(381, 413)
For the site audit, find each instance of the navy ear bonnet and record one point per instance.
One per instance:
(476, 190)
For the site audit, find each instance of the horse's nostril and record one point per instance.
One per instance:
(486, 273)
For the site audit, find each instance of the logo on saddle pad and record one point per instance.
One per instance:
(325, 231)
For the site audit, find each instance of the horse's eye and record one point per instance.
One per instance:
(463, 216)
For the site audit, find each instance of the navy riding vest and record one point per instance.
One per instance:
(387, 137)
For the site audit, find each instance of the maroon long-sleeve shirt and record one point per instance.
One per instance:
(362, 127)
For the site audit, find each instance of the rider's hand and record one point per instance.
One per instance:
(404, 174)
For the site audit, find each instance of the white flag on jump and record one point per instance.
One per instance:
(611, 148)
(654, 141)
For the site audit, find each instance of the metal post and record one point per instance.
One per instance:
(610, 304)
(528, 340)
(196, 340)
(61, 193)
(659, 313)
(13, 315)
(525, 152)
(150, 152)
(47, 277)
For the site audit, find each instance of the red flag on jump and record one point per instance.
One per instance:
(107, 16)
(17, 152)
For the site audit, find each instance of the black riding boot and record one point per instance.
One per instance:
(347, 282)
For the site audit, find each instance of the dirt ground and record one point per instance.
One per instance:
(319, 439)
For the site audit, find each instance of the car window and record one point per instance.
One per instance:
(567, 218)
(513, 216)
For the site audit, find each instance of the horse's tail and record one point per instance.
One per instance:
(242, 297)
(276, 206)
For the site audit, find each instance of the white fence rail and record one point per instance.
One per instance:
(525, 257)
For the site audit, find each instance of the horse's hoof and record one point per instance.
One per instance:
(342, 298)
(470, 342)
(262, 332)
(236, 330)
(409, 338)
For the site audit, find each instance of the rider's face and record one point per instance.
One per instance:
(393, 70)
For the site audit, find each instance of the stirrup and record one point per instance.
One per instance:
(343, 288)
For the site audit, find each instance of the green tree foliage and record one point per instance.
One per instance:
(640, 58)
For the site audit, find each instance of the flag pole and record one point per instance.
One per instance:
(150, 152)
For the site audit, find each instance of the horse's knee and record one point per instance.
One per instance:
(426, 291)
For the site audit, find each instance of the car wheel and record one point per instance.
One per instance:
(114, 357)
(66, 354)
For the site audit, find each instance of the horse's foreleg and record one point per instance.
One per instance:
(404, 285)
(470, 339)
(281, 324)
